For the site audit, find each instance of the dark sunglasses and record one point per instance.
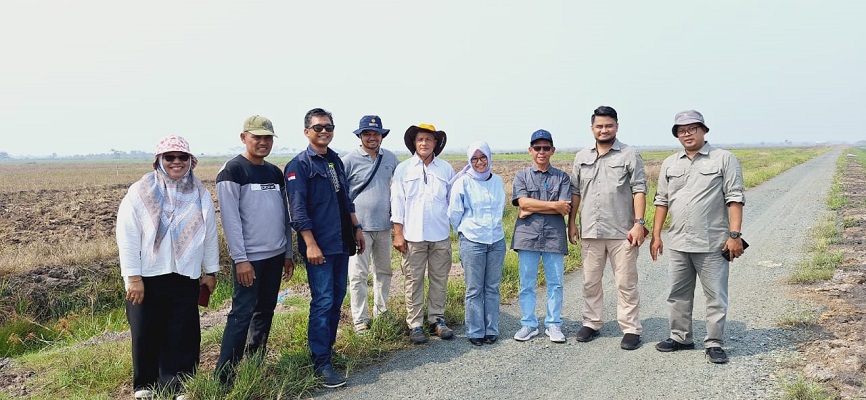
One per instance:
(540, 148)
(171, 157)
(319, 128)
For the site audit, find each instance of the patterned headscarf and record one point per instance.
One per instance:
(468, 170)
(174, 205)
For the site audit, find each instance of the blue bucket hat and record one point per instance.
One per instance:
(371, 123)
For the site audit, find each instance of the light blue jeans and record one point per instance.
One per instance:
(554, 266)
(482, 266)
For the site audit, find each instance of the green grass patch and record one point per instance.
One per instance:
(801, 317)
(821, 260)
(803, 389)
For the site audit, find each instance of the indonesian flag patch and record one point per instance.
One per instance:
(290, 176)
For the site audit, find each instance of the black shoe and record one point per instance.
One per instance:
(417, 336)
(330, 378)
(490, 339)
(476, 341)
(586, 334)
(630, 341)
(672, 345)
(439, 328)
(716, 355)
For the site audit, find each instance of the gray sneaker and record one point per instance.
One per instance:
(525, 333)
(555, 334)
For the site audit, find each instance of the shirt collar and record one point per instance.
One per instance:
(311, 152)
(436, 161)
(364, 153)
(704, 150)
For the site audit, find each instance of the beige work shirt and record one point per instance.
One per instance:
(697, 193)
(606, 186)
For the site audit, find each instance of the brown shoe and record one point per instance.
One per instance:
(439, 328)
(417, 336)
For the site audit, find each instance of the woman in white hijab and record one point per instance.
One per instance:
(166, 235)
(475, 210)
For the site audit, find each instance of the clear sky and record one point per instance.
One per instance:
(83, 77)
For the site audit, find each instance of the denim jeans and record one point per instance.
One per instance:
(327, 288)
(482, 266)
(553, 270)
(249, 322)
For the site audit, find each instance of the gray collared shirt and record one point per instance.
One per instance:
(696, 193)
(606, 186)
(373, 205)
(541, 232)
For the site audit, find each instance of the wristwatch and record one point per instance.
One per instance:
(211, 274)
(735, 234)
(358, 227)
(640, 221)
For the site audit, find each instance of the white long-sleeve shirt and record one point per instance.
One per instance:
(419, 199)
(133, 237)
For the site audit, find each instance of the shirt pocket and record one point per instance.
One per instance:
(617, 172)
(676, 178)
(438, 192)
(534, 191)
(710, 175)
(320, 188)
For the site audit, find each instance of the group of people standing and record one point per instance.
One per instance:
(344, 211)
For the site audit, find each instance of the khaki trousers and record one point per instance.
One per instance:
(435, 259)
(379, 250)
(623, 261)
(712, 270)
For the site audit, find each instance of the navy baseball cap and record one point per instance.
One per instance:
(371, 123)
(541, 134)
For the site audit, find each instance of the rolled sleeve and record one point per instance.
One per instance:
(734, 182)
(638, 175)
(661, 196)
(518, 187)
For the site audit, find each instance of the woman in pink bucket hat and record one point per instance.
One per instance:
(167, 240)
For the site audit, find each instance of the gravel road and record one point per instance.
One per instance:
(778, 215)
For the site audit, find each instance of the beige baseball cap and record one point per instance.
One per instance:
(259, 125)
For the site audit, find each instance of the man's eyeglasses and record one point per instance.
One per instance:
(687, 130)
(476, 160)
(319, 128)
(172, 157)
(542, 148)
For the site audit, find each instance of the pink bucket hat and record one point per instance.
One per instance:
(173, 143)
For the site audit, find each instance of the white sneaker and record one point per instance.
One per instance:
(143, 394)
(180, 397)
(554, 334)
(525, 333)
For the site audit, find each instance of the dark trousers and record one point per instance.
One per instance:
(165, 331)
(328, 288)
(249, 322)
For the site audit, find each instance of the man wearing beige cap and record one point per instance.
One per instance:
(702, 188)
(253, 210)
